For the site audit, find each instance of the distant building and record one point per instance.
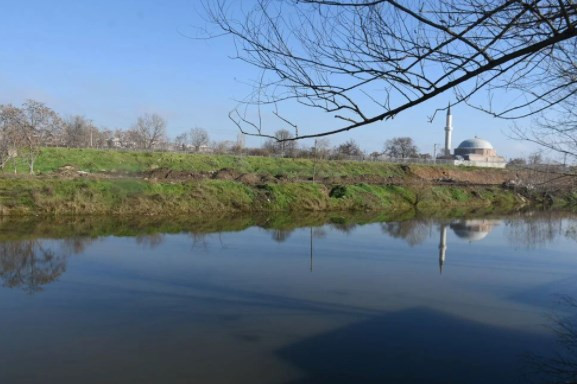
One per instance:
(473, 230)
(114, 142)
(468, 230)
(472, 152)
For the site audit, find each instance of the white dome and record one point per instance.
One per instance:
(470, 234)
(475, 143)
(473, 230)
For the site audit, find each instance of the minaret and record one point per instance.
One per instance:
(442, 247)
(448, 132)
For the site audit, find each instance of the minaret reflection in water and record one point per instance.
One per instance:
(470, 230)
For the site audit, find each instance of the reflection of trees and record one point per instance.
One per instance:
(344, 227)
(562, 366)
(76, 245)
(198, 240)
(571, 232)
(531, 231)
(319, 233)
(281, 235)
(151, 240)
(413, 231)
(28, 264)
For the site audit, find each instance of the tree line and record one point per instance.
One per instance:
(364, 62)
(24, 130)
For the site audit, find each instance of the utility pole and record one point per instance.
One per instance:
(311, 266)
(435, 152)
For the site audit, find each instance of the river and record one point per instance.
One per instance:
(486, 299)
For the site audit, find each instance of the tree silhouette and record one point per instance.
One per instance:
(365, 61)
(29, 265)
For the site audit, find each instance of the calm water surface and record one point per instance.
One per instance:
(421, 301)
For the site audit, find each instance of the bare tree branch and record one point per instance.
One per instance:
(363, 62)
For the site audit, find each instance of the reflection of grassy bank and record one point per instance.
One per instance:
(20, 228)
(55, 196)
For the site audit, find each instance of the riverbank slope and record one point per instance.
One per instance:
(104, 182)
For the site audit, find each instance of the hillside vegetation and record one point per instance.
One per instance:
(89, 181)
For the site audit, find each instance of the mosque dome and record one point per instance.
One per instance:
(470, 234)
(475, 143)
(473, 230)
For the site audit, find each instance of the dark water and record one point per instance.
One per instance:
(420, 301)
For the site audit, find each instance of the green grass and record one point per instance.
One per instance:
(55, 195)
(94, 160)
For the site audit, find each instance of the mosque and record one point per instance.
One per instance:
(471, 152)
(468, 230)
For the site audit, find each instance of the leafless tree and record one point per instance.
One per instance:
(321, 148)
(226, 146)
(79, 132)
(150, 130)
(401, 148)
(9, 139)
(198, 137)
(555, 131)
(131, 138)
(100, 137)
(239, 146)
(365, 61)
(29, 128)
(348, 149)
(281, 143)
(535, 158)
(517, 162)
(180, 141)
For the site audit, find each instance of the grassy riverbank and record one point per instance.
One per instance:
(138, 162)
(97, 182)
(55, 196)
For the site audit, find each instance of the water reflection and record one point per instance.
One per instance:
(281, 235)
(30, 264)
(473, 230)
(417, 345)
(151, 241)
(536, 229)
(216, 303)
(413, 231)
(469, 230)
(561, 366)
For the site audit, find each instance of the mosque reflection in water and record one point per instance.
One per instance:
(468, 230)
(32, 263)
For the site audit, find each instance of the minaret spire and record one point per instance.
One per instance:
(442, 247)
(448, 131)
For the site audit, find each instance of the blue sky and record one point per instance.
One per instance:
(111, 61)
